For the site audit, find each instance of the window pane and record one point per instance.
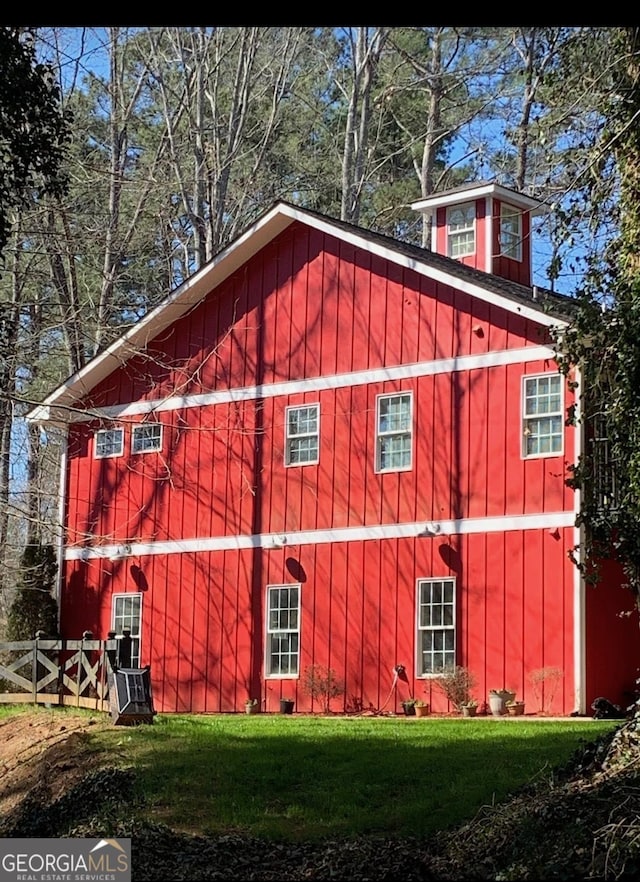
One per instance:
(283, 637)
(126, 616)
(543, 421)
(436, 624)
(109, 442)
(394, 431)
(147, 437)
(302, 430)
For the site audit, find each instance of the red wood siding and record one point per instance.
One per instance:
(308, 306)
(358, 616)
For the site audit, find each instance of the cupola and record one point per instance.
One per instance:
(484, 225)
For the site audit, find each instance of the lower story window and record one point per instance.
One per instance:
(126, 615)
(436, 625)
(283, 630)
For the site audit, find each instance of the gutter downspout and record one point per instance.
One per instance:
(579, 612)
(62, 505)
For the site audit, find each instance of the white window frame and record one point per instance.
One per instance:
(287, 633)
(461, 236)
(382, 434)
(136, 636)
(292, 438)
(119, 430)
(447, 631)
(510, 240)
(551, 415)
(139, 429)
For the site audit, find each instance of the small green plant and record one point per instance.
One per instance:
(456, 684)
(251, 702)
(419, 703)
(470, 703)
(322, 684)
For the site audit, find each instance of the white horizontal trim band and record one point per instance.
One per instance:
(318, 384)
(421, 529)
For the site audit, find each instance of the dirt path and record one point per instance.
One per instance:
(45, 746)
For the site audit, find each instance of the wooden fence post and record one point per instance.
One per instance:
(86, 635)
(34, 666)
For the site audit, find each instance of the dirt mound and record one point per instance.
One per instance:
(46, 750)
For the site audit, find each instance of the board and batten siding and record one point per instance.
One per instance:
(311, 319)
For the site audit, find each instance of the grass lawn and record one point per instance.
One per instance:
(308, 777)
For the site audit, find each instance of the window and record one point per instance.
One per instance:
(436, 625)
(108, 442)
(283, 630)
(461, 230)
(393, 433)
(126, 611)
(510, 232)
(542, 420)
(146, 438)
(302, 431)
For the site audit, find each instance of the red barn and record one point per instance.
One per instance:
(330, 447)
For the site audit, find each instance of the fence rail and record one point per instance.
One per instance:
(57, 671)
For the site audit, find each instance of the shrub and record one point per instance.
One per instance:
(545, 682)
(322, 684)
(34, 608)
(456, 684)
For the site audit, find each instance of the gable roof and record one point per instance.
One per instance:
(475, 191)
(545, 307)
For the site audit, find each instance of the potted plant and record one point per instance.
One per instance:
(469, 708)
(498, 699)
(286, 705)
(409, 707)
(515, 708)
(421, 708)
(251, 706)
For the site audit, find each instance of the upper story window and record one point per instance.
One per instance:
(542, 415)
(436, 625)
(461, 230)
(510, 232)
(108, 442)
(146, 438)
(393, 432)
(302, 435)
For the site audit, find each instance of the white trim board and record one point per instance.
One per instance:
(317, 384)
(271, 541)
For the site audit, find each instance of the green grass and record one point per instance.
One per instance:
(313, 777)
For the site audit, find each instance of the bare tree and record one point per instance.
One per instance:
(221, 91)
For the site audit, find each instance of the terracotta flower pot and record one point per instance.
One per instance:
(516, 710)
(422, 710)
